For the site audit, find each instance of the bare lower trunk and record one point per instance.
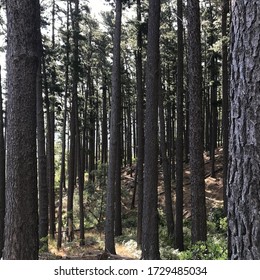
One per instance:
(21, 220)
(244, 154)
(198, 203)
(150, 238)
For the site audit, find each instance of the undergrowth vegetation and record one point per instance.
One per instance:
(215, 248)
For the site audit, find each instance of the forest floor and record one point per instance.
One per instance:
(125, 245)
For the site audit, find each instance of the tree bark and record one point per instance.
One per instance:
(114, 132)
(73, 121)
(21, 220)
(213, 93)
(63, 149)
(225, 97)
(104, 122)
(50, 135)
(244, 153)
(150, 238)
(140, 125)
(180, 132)
(198, 204)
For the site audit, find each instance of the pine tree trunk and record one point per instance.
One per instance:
(63, 149)
(213, 93)
(104, 123)
(150, 238)
(118, 203)
(114, 132)
(73, 122)
(62, 173)
(140, 125)
(92, 133)
(118, 192)
(244, 171)
(225, 98)
(198, 203)
(2, 171)
(50, 136)
(80, 157)
(180, 132)
(21, 227)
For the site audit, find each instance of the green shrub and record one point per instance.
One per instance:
(213, 249)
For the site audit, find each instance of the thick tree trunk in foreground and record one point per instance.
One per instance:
(21, 221)
(244, 151)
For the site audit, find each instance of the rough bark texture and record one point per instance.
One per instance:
(150, 238)
(21, 220)
(244, 152)
(2, 172)
(198, 211)
(114, 131)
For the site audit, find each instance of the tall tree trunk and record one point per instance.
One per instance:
(104, 122)
(225, 97)
(118, 203)
(198, 203)
(63, 149)
(244, 172)
(73, 121)
(50, 136)
(21, 220)
(42, 168)
(213, 93)
(62, 173)
(180, 132)
(150, 238)
(2, 171)
(140, 125)
(114, 132)
(80, 157)
(92, 132)
(118, 192)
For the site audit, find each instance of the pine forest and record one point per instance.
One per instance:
(130, 129)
